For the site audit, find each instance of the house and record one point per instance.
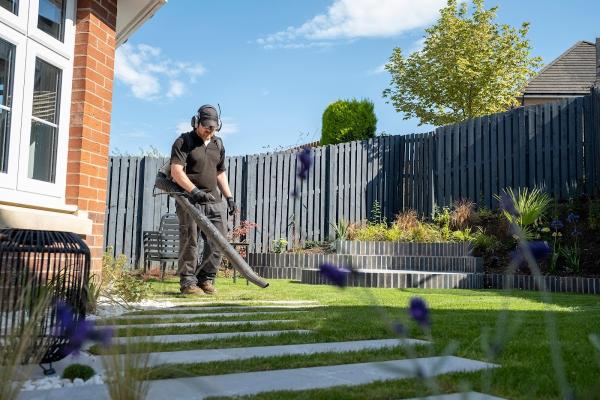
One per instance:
(571, 74)
(56, 80)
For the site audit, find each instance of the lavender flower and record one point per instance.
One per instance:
(573, 218)
(78, 331)
(418, 311)
(399, 329)
(539, 250)
(336, 275)
(505, 203)
(305, 162)
(556, 224)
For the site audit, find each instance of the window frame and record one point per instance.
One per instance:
(8, 180)
(65, 48)
(17, 22)
(24, 183)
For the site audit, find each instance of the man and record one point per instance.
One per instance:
(197, 165)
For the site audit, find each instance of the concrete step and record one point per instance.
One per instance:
(401, 279)
(412, 263)
(452, 249)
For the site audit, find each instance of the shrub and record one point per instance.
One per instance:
(372, 232)
(81, 371)
(406, 220)
(341, 229)
(461, 213)
(279, 245)
(347, 120)
(442, 217)
(118, 284)
(530, 206)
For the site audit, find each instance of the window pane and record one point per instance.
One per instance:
(44, 132)
(7, 52)
(46, 91)
(51, 18)
(10, 5)
(42, 152)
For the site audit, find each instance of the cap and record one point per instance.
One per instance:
(208, 116)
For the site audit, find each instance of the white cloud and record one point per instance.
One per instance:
(416, 46)
(144, 69)
(175, 88)
(377, 70)
(347, 19)
(183, 126)
(229, 127)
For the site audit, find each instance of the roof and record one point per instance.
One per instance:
(131, 14)
(572, 73)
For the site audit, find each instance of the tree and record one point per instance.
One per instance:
(347, 120)
(469, 66)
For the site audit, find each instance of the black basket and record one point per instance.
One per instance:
(36, 259)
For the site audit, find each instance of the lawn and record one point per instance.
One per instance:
(515, 325)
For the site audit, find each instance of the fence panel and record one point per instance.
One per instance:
(555, 146)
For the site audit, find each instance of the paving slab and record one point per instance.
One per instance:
(203, 323)
(201, 336)
(241, 353)
(201, 315)
(310, 378)
(232, 307)
(460, 396)
(288, 379)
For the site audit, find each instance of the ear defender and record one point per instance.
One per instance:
(196, 118)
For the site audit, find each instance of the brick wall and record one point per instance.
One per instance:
(91, 105)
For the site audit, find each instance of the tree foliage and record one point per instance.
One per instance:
(347, 120)
(469, 66)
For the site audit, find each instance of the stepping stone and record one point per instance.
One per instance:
(200, 336)
(241, 353)
(201, 315)
(460, 396)
(288, 379)
(236, 307)
(249, 383)
(206, 323)
(244, 353)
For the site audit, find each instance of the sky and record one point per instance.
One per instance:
(273, 66)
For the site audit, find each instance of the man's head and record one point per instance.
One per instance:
(206, 121)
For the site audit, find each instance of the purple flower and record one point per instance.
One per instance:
(78, 331)
(557, 225)
(399, 329)
(576, 232)
(506, 204)
(336, 275)
(573, 218)
(418, 311)
(305, 162)
(539, 250)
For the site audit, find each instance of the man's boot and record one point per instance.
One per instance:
(208, 287)
(192, 289)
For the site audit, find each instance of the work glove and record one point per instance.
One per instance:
(231, 207)
(200, 196)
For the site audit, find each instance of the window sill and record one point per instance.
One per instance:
(24, 217)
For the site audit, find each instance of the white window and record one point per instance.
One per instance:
(36, 68)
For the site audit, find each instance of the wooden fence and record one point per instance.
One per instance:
(555, 146)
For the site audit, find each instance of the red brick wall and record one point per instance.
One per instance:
(91, 105)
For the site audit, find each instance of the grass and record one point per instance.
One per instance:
(463, 317)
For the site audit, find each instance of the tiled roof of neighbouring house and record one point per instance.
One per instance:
(572, 73)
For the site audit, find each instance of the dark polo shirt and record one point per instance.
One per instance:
(202, 163)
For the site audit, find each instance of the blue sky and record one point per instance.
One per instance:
(274, 65)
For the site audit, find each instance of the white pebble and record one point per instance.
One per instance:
(78, 382)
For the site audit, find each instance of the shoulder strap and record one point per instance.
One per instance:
(219, 143)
